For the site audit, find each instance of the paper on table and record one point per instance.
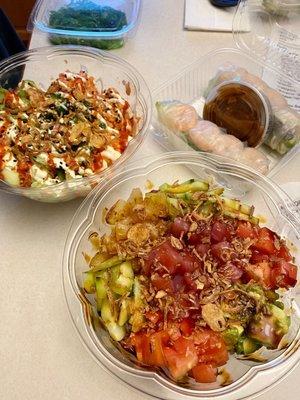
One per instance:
(289, 61)
(202, 15)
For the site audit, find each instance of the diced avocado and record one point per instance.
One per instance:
(279, 304)
(89, 283)
(246, 345)
(232, 335)
(282, 321)
(257, 292)
(271, 295)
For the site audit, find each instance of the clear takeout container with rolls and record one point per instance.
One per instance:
(244, 102)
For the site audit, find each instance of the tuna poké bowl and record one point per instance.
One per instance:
(183, 285)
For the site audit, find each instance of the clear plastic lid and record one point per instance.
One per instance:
(86, 18)
(273, 36)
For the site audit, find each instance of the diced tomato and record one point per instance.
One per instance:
(284, 253)
(211, 347)
(149, 348)
(97, 162)
(9, 99)
(141, 343)
(174, 331)
(202, 249)
(181, 358)
(219, 232)
(157, 341)
(284, 274)
(204, 373)
(23, 169)
(265, 242)
(179, 227)
(161, 283)
(260, 273)
(231, 272)
(201, 337)
(154, 316)
(246, 230)
(187, 326)
(217, 357)
(2, 152)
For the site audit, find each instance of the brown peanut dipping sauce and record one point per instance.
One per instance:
(240, 110)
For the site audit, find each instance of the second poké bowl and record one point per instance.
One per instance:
(183, 285)
(69, 116)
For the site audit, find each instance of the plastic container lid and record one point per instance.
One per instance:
(274, 35)
(110, 18)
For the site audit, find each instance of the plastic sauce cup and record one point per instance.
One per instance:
(241, 109)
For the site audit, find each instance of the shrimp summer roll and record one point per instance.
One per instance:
(176, 116)
(207, 136)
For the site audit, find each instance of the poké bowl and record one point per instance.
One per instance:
(44, 65)
(241, 377)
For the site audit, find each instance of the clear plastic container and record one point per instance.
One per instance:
(108, 70)
(247, 378)
(270, 50)
(104, 24)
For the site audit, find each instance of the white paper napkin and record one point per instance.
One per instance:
(202, 15)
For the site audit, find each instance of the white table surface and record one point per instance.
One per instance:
(41, 356)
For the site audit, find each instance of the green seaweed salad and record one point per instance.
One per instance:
(82, 18)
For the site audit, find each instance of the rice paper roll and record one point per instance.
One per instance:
(176, 116)
(285, 132)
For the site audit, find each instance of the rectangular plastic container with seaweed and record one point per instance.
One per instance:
(104, 24)
(268, 58)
